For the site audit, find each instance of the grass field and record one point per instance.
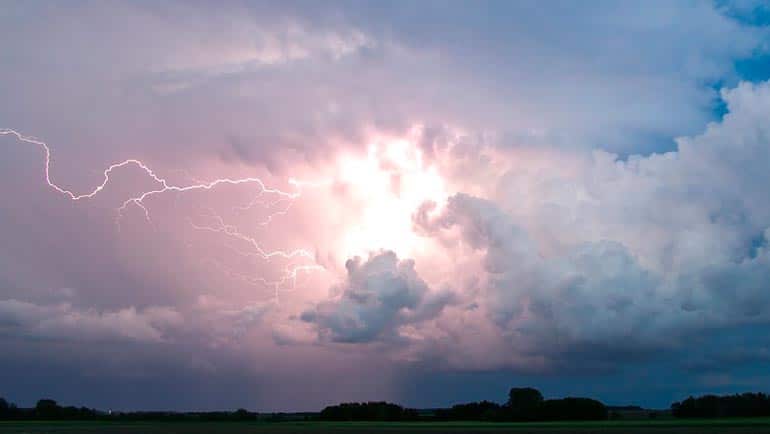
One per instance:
(743, 426)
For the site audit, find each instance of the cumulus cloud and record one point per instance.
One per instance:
(594, 294)
(648, 249)
(380, 295)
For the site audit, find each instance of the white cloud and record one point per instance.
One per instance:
(627, 255)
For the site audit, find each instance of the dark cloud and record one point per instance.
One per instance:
(380, 295)
(62, 322)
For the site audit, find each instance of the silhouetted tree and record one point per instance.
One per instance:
(47, 409)
(572, 409)
(8, 410)
(524, 403)
(243, 414)
(527, 404)
(484, 410)
(5, 409)
(709, 406)
(379, 411)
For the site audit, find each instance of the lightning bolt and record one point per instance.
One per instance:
(290, 273)
(257, 200)
(232, 231)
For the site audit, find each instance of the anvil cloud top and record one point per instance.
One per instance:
(280, 205)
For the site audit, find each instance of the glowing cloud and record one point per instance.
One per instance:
(390, 184)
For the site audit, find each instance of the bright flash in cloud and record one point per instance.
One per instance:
(390, 183)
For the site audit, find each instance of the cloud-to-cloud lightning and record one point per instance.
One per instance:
(164, 186)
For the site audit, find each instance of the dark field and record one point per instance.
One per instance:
(743, 426)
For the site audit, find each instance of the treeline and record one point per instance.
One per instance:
(45, 409)
(160, 416)
(711, 406)
(381, 411)
(524, 404)
(527, 404)
(48, 409)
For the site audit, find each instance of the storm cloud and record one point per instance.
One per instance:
(456, 196)
(380, 295)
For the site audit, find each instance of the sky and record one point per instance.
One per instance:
(285, 205)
